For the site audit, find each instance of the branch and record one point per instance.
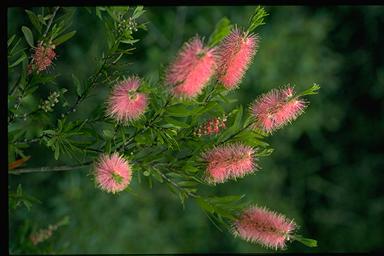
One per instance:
(50, 21)
(50, 168)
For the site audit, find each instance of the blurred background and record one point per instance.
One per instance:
(327, 168)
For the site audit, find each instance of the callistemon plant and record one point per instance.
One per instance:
(174, 131)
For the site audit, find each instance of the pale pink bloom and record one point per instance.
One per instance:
(113, 173)
(229, 162)
(235, 53)
(42, 57)
(125, 103)
(190, 72)
(276, 108)
(260, 225)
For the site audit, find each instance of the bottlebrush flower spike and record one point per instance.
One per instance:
(113, 173)
(125, 103)
(229, 162)
(42, 57)
(276, 108)
(260, 225)
(235, 53)
(191, 70)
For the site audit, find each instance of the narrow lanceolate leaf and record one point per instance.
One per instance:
(138, 12)
(34, 20)
(223, 28)
(205, 205)
(306, 241)
(77, 85)
(10, 40)
(176, 123)
(18, 61)
(179, 110)
(28, 35)
(257, 18)
(63, 38)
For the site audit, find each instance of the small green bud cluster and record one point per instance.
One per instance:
(127, 24)
(48, 104)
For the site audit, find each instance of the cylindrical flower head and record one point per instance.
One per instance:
(113, 173)
(125, 103)
(191, 70)
(229, 162)
(235, 53)
(276, 108)
(259, 225)
(43, 57)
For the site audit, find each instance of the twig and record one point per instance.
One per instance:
(50, 21)
(49, 168)
(175, 184)
(84, 95)
(233, 135)
(147, 125)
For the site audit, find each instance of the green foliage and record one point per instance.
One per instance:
(306, 241)
(222, 29)
(28, 35)
(69, 137)
(257, 18)
(161, 146)
(19, 198)
(61, 39)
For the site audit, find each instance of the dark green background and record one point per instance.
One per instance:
(327, 168)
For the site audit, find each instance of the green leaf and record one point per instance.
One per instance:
(138, 12)
(34, 20)
(187, 183)
(77, 84)
(112, 13)
(19, 60)
(157, 176)
(10, 40)
(257, 18)
(306, 241)
(191, 169)
(108, 133)
(222, 29)
(179, 110)
(226, 199)
(265, 152)
(205, 205)
(238, 118)
(129, 41)
(57, 152)
(251, 138)
(225, 213)
(61, 39)
(175, 123)
(28, 35)
(211, 105)
(310, 91)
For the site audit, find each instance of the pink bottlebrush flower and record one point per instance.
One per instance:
(259, 225)
(191, 70)
(42, 57)
(235, 53)
(276, 108)
(113, 173)
(229, 162)
(44, 234)
(125, 103)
